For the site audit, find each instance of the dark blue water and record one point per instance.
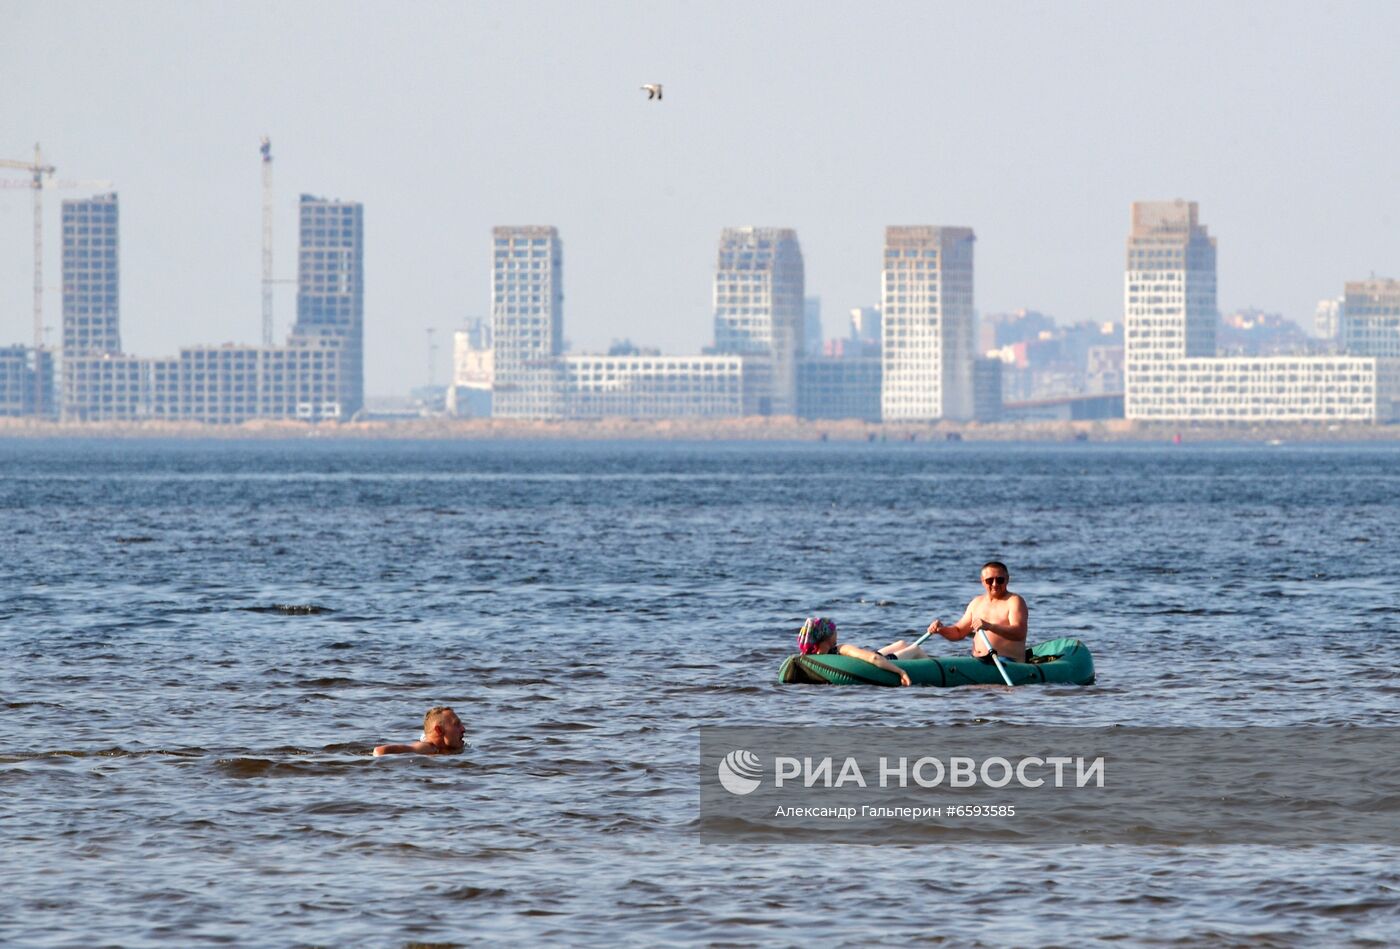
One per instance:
(200, 642)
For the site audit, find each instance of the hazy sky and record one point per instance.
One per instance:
(1034, 123)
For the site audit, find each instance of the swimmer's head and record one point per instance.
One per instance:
(443, 728)
(815, 634)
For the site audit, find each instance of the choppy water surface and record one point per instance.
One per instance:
(199, 643)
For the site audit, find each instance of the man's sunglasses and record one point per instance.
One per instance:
(993, 581)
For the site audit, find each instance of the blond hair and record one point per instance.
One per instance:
(431, 717)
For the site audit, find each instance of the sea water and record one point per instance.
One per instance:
(200, 642)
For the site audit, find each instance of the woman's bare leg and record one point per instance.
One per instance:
(903, 650)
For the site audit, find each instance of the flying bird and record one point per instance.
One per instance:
(653, 90)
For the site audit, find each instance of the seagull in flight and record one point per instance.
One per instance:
(653, 90)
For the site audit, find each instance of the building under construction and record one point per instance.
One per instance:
(317, 376)
(26, 382)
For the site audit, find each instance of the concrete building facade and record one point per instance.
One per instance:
(331, 291)
(759, 305)
(473, 372)
(1369, 317)
(217, 385)
(106, 388)
(26, 382)
(527, 321)
(1172, 373)
(317, 376)
(1169, 311)
(91, 276)
(837, 387)
(987, 390)
(928, 323)
(662, 387)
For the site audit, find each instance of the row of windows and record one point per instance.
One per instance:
(610, 370)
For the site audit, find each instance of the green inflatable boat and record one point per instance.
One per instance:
(1059, 660)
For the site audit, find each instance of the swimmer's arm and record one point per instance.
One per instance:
(875, 659)
(413, 748)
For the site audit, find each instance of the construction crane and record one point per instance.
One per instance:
(267, 241)
(41, 180)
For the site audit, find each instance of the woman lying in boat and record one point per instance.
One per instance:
(818, 637)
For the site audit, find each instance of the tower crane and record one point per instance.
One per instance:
(267, 241)
(41, 180)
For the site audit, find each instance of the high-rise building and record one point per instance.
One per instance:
(1169, 292)
(331, 291)
(1327, 320)
(865, 324)
(759, 308)
(527, 322)
(91, 311)
(1171, 372)
(1370, 318)
(928, 323)
(812, 326)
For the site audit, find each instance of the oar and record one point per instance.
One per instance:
(995, 658)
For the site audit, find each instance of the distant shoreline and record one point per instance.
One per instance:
(746, 429)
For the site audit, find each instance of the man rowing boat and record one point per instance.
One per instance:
(998, 612)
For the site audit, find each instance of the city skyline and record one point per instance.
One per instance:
(448, 122)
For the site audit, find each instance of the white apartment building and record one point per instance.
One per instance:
(1169, 310)
(928, 324)
(759, 305)
(662, 387)
(1171, 372)
(473, 371)
(1268, 389)
(527, 321)
(1369, 318)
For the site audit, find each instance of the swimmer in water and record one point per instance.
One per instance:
(442, 734)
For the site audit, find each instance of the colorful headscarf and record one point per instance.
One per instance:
(814, 632)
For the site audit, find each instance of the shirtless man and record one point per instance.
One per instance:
(442, 734)
(998, 612)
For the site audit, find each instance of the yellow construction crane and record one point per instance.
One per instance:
(41, 180)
